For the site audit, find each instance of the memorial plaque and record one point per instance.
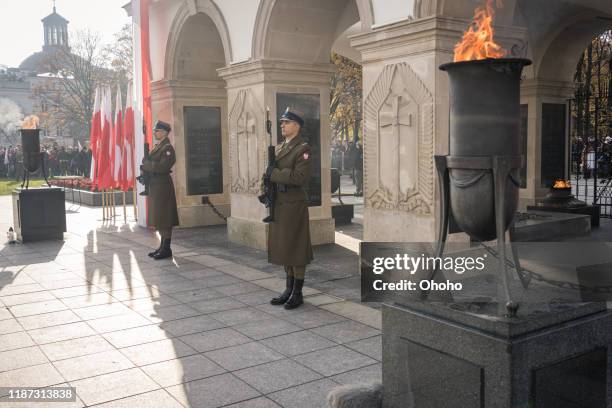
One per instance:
(554, 143)
(309, 105)
(523, 143)
(203, 147)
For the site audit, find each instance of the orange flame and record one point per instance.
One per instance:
(30, 122)
(562, 184)
(477, 42)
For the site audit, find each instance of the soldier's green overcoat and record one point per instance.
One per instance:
(289, 235)
(162, 199)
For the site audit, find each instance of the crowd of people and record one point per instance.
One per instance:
(59, 161)
(347, 157)
(584, 157)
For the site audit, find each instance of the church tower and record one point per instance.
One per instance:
(55, 31)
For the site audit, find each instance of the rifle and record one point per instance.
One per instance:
(268, 197)
(145, 176)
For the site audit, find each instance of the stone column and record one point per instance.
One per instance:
(539, 95)
(251, 87)
(169, 97)
(406, 108)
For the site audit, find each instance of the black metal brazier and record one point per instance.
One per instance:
(484, 123)
(32, 156)
(479, 179)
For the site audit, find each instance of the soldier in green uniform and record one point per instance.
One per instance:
(289, 235)
(162, 211)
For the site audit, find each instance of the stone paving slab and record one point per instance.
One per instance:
(95, 312)
(153, 399)
(213, 392)
(276, 376)
(334, 360)
(215, 339)
(256, 403)
(243, 356)
(106, 387)
(182, 370)
(309, 395)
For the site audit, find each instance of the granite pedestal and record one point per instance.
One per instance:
(39, 213)
(435, 356)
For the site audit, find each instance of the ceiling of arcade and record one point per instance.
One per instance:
(306, 30)
(200, 51)
(559, 30)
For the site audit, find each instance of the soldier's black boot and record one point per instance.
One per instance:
(153, 253)
(165, 251)
(296, 298)
(283, 297)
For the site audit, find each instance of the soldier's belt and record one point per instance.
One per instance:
(160, 174)
(285, 188)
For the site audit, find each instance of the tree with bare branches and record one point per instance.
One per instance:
(67, 93)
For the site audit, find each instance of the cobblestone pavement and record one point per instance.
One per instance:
(96, 313)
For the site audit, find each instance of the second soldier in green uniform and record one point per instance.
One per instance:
(162, 210)
(289, 235)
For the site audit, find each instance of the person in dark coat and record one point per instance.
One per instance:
(162, 214)
(289, 235)
(358, 165)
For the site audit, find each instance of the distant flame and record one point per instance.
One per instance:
(562, 184)
(477, 42)
(30, 122)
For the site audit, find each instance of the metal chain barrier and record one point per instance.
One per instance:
(552, 282)
(206, 200)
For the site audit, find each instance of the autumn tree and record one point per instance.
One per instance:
(346, 99)
(67, 94)
(119, 56)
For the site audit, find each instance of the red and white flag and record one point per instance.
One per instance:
(128, 151)
(118, 180)
(94, 136)
(105, 146)
(141, 90)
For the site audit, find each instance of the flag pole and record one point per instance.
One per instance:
(124, 210)
(113, 203)
(103, 205)
(134, 202)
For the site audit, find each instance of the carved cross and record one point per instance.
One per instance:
(246, 125)
(391, 117)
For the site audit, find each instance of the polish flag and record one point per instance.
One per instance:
(141, 91)
(118, 136)
(128, 151)
(94, 138)
(105, 146)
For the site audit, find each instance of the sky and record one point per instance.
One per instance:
(21, 32)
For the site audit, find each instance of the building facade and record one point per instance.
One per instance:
(22, 85)
(231, 59)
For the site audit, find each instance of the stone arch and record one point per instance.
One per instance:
(211, 17)
(561, 49)
(319, 24)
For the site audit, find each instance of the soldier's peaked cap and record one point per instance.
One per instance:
(160, 125)
(293, 115)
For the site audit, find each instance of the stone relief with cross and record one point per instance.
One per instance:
(245, 145)
(399, 161)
